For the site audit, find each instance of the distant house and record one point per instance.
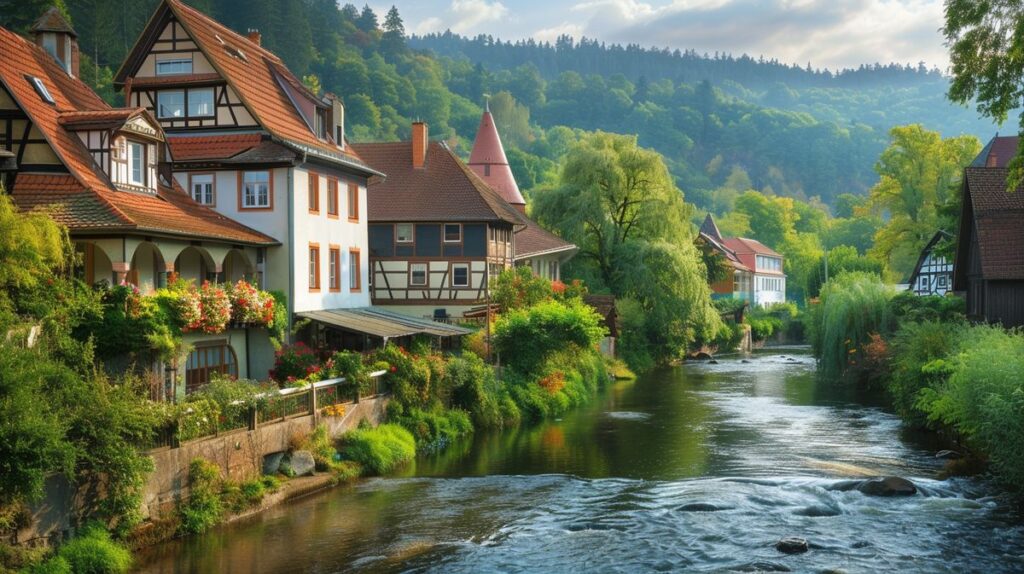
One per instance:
(989, 266)
(933, 273)
(758, 275)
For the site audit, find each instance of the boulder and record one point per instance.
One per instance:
(887, 486)
(700, 507)
(302, 463)
(762, 566)
(701, 356)
(712, 362)
(792, 545)
(272, 462)
(745, 361)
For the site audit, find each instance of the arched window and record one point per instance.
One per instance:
(209, 358)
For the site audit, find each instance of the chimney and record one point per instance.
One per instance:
(993, 159)
(254, 36)
(53, 33)
(419, 144)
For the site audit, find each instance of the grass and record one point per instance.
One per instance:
(379, 450)
(91, 552)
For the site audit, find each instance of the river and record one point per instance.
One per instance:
(605, 490)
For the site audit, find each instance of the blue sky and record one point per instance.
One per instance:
(827, 33)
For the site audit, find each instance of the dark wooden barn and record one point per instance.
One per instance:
(989, 268)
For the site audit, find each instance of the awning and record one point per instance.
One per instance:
(381, 323)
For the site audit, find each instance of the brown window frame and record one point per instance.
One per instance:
(332, 197)
(314, 273)
(313, 193)
(334, 258)
(355, 257)
(353, 202)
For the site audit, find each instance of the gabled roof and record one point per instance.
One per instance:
(445, 189)
(746, 245)
(939, 236)
(717, 245)
(1000, 149)
(252, 71)
(534, 240)
(489, 162)
(103, 119)
(84, 198)
(53, 21)
(710, 229)
(998, 217)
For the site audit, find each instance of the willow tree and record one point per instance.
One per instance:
(619, 204)
(919, 172)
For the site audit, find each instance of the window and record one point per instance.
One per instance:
(452, 232)
(460, 275)
(320, 124)
(353, 202)
(487, 170)
(41, 90)
(355, 270)
(200, 102)
(942, 281)
(175, 66)
(314, 193)
(403, 233)
(418, 274)
(314, 267)
(206, 360)
(170, 104)
(202, 188)
(332, 197)
(50, 45)
(256, 190)
(334, 269)
(136, 164)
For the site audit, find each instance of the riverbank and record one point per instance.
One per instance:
(616, 481)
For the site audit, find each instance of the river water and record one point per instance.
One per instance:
(613, 486)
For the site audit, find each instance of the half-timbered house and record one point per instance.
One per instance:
(933, 273)
(989, 266)
(105, 174)
(438, 233)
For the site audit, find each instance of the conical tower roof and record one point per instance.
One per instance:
(710, 229)
(489, 162)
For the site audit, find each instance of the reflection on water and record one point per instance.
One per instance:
(697, 468)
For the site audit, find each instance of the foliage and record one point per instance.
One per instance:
(475, 390)
(91, 552)
(349, 366)
(433, 429)
(249, 305)
(577, 374)
(294, 362)
(841, 259)
(919, 361)
(197, 418)
(526, 338)
(518, 287)
(319, 443)
(379, 450)
(203, 507)
(852, 307)
(908, 306)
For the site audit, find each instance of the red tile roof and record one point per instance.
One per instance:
(534, 240)
(178, 80)
(188, 148)
(746, 245)
(252, 71)
(99, 119)
(999, 219)
(999, 150)
(445, 189)
(489, 162)
(85, 198)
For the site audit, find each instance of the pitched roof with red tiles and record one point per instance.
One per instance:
(999, 220)
(252, 71)
(997, 152)
(101, 119)
(534, 240)
(190, 148)
(746, 245)
(445, 189)
(489, 162)
(85, 198)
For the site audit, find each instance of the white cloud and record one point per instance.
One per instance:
(552, 34)
(428, 25)
(468, 14)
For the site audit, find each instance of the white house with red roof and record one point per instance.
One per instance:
(758, 273)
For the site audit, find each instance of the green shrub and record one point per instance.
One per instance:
(93, 552)
(270, 483)
(379, 450)
(319, 443)
(908, 306)
(919, 361)
(525, 338)
(475, 389)
(434, 428)
(54, 565)
(852, 307)
(203, 509)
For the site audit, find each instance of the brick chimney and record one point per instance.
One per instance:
(993, 160)
(255, 36)
(419, 144)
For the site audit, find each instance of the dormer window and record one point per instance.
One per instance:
(41, 90)
(137, 164)
(174, 67)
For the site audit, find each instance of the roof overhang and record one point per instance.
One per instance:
(378, 322)
(566, 249)
(311, 152)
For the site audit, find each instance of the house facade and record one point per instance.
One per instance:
(438, 233)
(933, 273)
(758, 275)
(989, 266)
(739, 285)
(105, 173)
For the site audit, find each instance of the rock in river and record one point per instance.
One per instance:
(887, 486)
(791, 545)
(701, 356)
(302, 462)
(948, 455)
(700, 507)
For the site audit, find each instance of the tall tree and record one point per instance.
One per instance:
(392, 42)
(367, 21)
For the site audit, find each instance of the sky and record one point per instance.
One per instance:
(826, 33)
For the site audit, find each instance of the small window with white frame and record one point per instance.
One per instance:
(452, 232)
(403, 232)
(460, 275)
(256, 190)
(170, 104)
(137, 163)
(175, 66)
(418, 274)
(202, 188)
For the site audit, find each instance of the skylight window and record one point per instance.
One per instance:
(236, 53)
(41, 90)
